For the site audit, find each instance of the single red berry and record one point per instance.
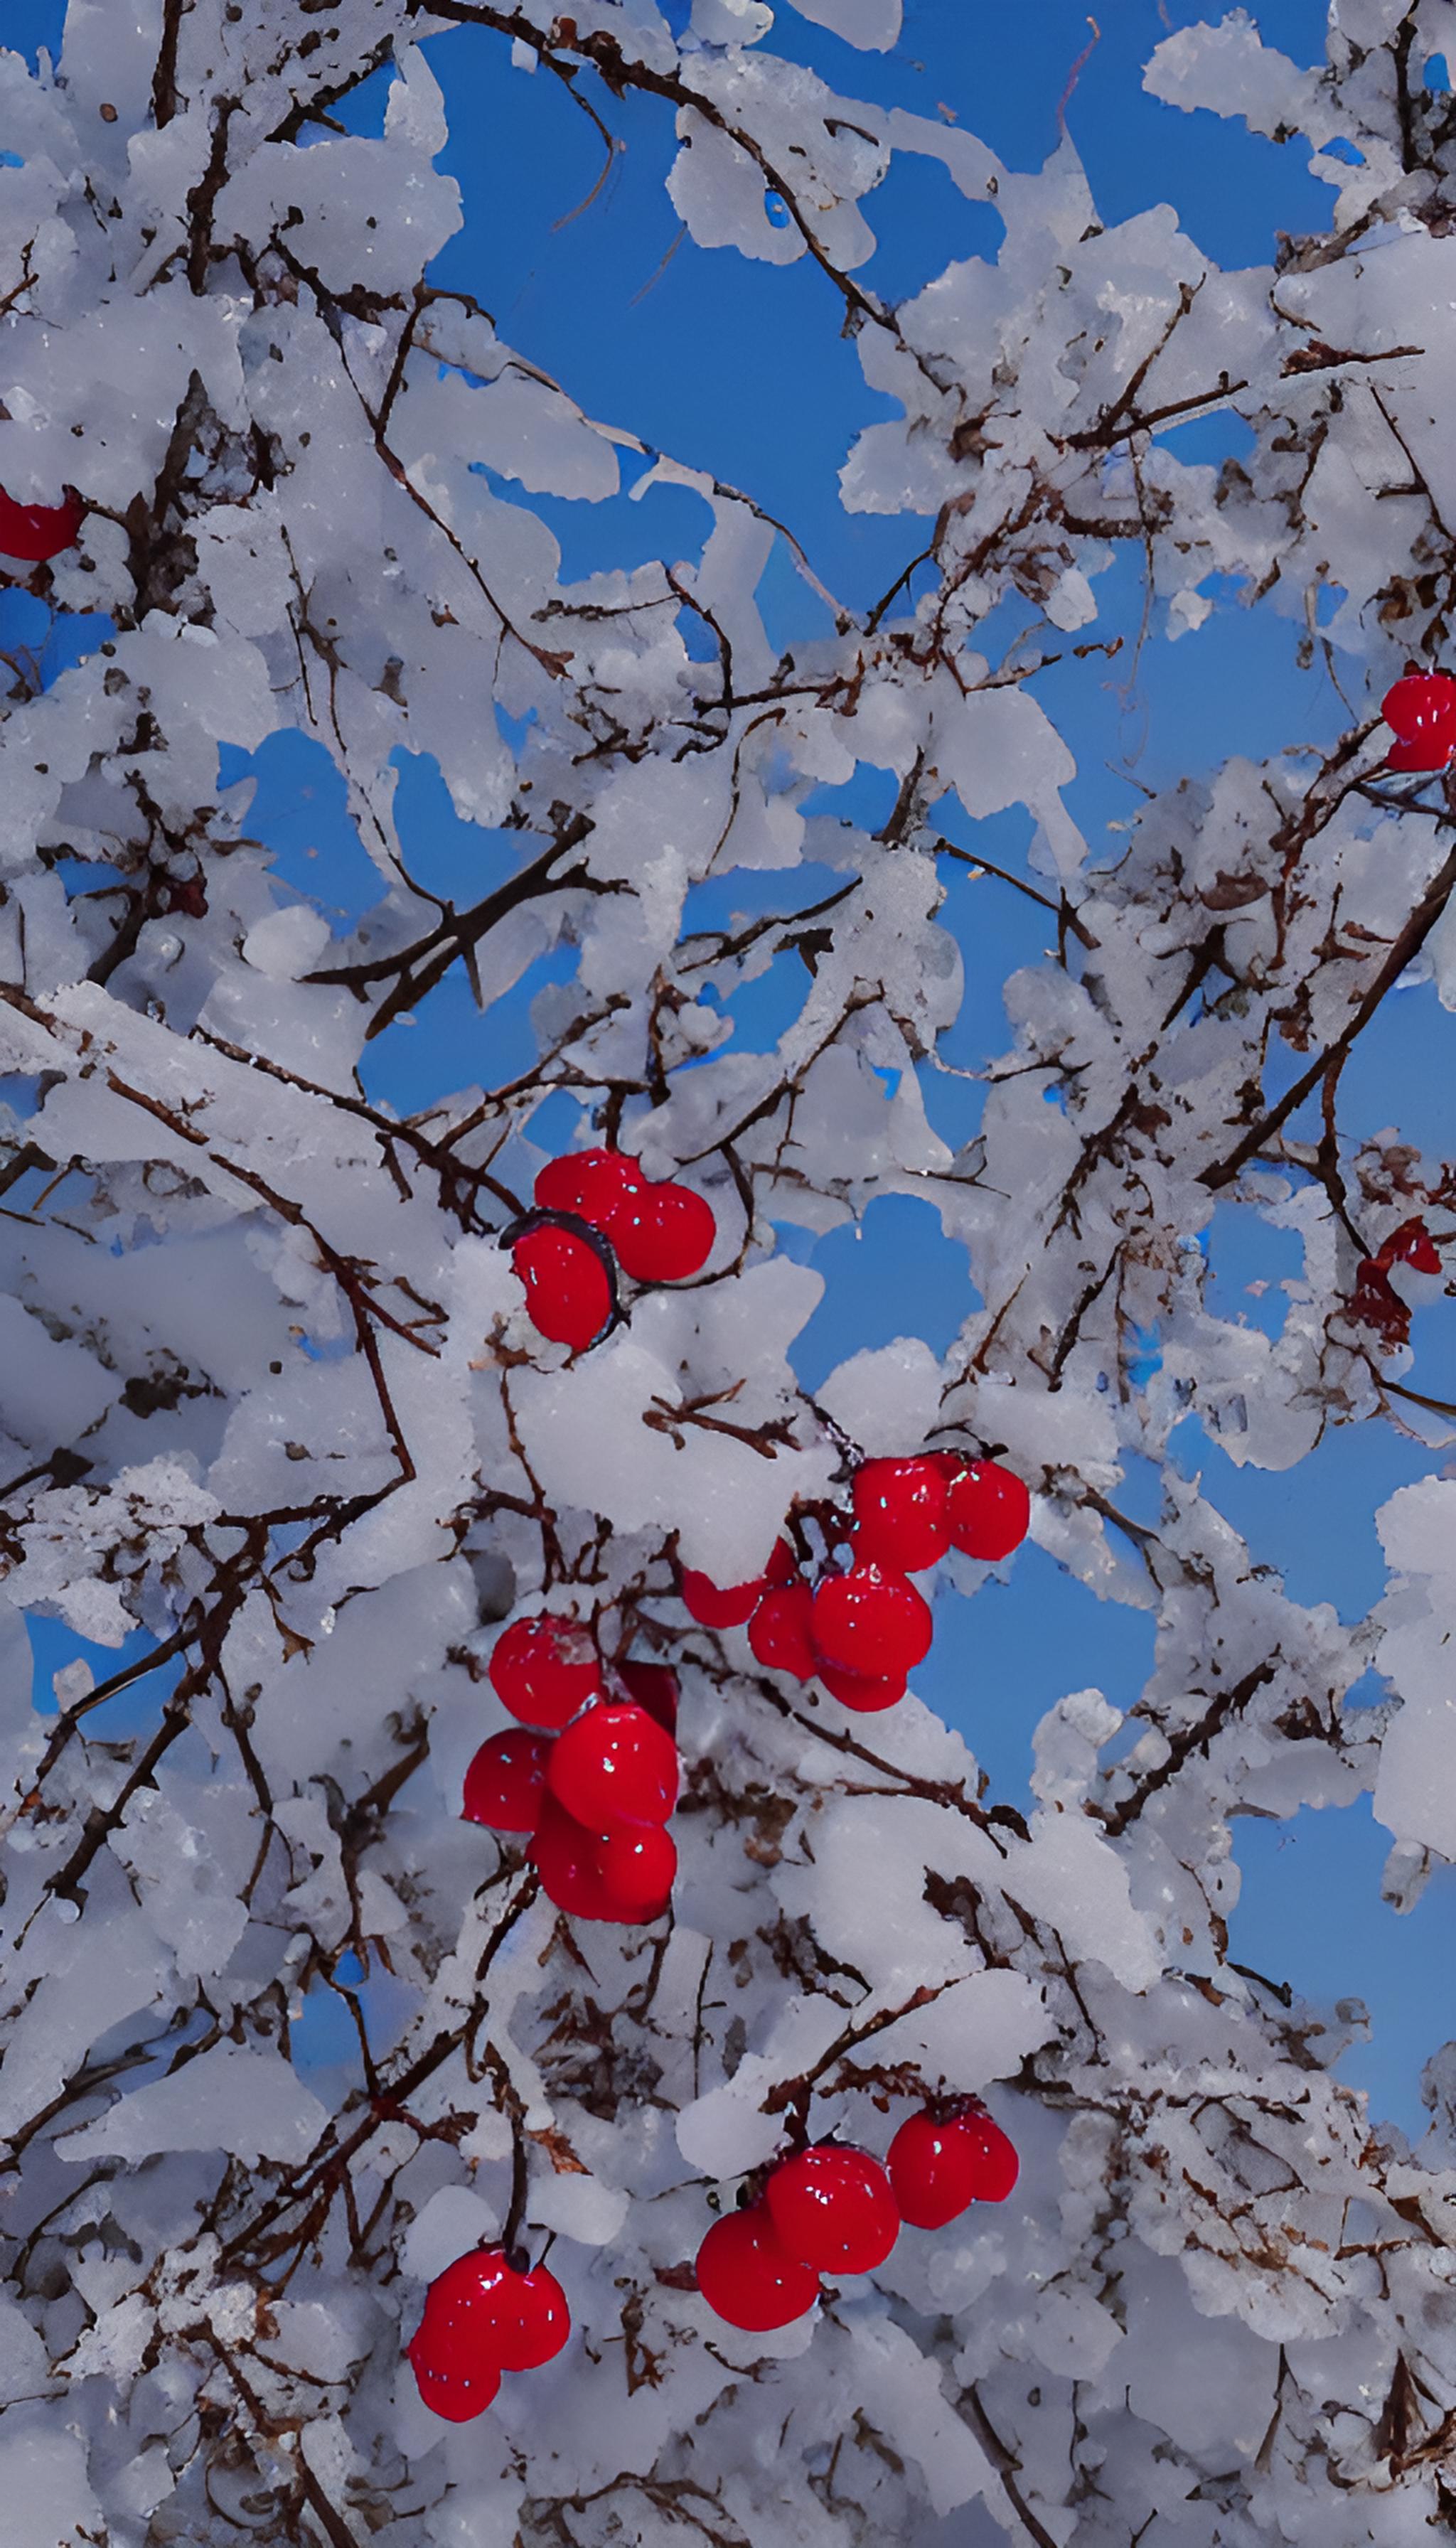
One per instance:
(481, 2317)
(535, 2322)
(36, 533)
(544, 1669)
(900, 1510)
(506, 1783)
(566, 1858)
(989, 1510)
(455, 2396)
(871, 1622)
(591, 1183)
(654, 1687)
(939, 2168)
(720, 1606)
(637, 1862)
(568, 1294)
(778, 1631)
(456, 2353)
(834, 2208)
(1411, 1245)
(1420, 710)
(663, 1234)
(747, 2277)
(994, 2162)
(866, 1695)
(614, 1765)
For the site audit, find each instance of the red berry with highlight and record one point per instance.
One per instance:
(535, 2322)
(900, 1510)
(544, 1669)
(1420, 710)
(835, 2209)
(616, 1764)
(867, 1695)
(746, 2276)
(36, 533)
(456, 2352)
(457, 2396)
(939, 2168)
(778, 1631)
(663, 1234)
(637, 1862)
(989, 1510)
(506, 1783)
(591, 1183)
(568, 1294)
(995, 2165)
(871, 1622)
(567, 1861)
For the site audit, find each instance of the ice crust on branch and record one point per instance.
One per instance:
(282, 2034)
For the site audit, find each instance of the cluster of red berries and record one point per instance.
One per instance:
(837, 2210)
(484, 2314)
(36, 533)
(1420, 710)
(863, 1626)
(596, 1215)
(1375, 1302)
(594, 1781)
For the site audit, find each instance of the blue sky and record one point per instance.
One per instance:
(741, 368)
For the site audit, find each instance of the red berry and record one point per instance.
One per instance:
(1420, 709)
(456, 2396)
(544, 1669)
(654, 1687)
(746, 2277)
(871, 1622)
(858, 1690)
(778, 1631)
(663, 1234)
(566, 1857)
(615, 1765)
(637, 1862)
(483, 2318)
(715, 1606)
(537, 2323)
(900, 1510)
(720, 1606)
(996, 2164)
(506, 1783)
(568, 1294)
(989, 1510)
(939, 2168)
(591, 1183)
(455, 2352)
(834, 2208)
(38, 531)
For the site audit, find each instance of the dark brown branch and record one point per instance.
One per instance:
(164, 99)
(1407, 945)
(1187, 1740)
(417, 968)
